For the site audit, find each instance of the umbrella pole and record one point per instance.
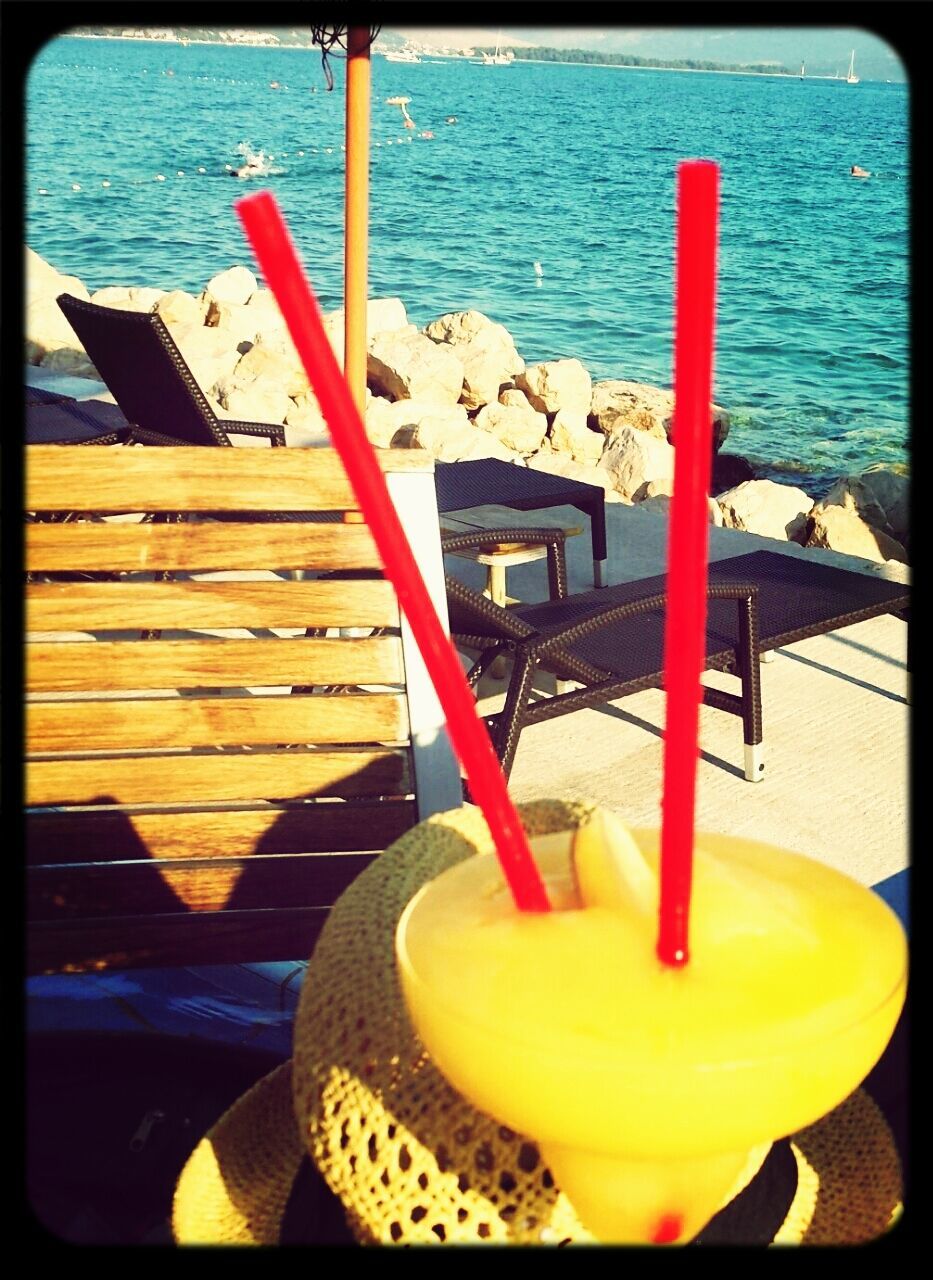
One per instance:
(356, 213)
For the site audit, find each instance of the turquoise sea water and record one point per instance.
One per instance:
(569, 166)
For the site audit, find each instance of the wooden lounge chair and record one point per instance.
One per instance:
(203, 823)
(610, 643)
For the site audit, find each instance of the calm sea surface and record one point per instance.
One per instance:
(572, 167)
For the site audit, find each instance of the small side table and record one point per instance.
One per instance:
(502, 557)
(497, 560)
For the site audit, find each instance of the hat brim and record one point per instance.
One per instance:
(408, 1157)
(237, 1181)
(236, 1187)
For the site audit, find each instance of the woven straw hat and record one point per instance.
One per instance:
(412, 1161)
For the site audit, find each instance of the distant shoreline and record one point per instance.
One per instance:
(225, 44)
(612, 66)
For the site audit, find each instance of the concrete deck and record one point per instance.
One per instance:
(835, 716)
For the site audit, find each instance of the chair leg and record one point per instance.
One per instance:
(750, 676)
(754, 761)
(511, 718)
(479, 668)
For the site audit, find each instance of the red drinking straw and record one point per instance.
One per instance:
(279, 263)
(685, 624)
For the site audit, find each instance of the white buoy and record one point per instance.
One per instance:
(201, 169)
(160, 177)
(180, 174)
(43, 191)
(105, 183)
(75, 186)
(301, 153)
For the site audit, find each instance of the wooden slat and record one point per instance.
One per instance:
(103, 606)
(104, 835)
(193, 779)
(216, 544)
(229, 937)
(182, 664)
(304, 880)
(190, 478)
(214, 722)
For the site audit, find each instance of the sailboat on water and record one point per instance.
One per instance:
(498, 59)
(852, 78)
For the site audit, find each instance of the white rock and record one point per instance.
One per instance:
(305, 426)
(473, 329)
(841, 528)
(383, 315)
(569, 434)
(520, 429)
(145, 299)
(47, 328)
(618, 403)
(237, 320)
(257, 403)
(67, 360)
(880, 496)
(562, 464)
(407, 365)
(128, 298)
(633, 458)
(272, 368)
(461, 445)
(766, 508)
(556, 384)
(71, 285)
(37, 268)
(43, 281)
(114, 295)
(485, 373)
(177, 307)
(658, 498)
(238, 284)
(268, 313)
(512, 396)
(207, 352)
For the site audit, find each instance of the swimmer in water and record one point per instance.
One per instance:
(856, 172)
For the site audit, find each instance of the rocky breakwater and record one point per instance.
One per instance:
(459, 389)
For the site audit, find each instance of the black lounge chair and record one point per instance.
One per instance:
(53, 419)
(137, 358)
(482, 482)
(610, 642)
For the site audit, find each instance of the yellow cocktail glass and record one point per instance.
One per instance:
(651, 1089)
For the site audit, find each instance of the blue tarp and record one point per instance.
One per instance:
(251, 1005)
(248, 1005)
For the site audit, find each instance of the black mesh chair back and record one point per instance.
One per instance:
(137, 357)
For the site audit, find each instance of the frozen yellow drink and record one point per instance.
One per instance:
(649, 1088)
